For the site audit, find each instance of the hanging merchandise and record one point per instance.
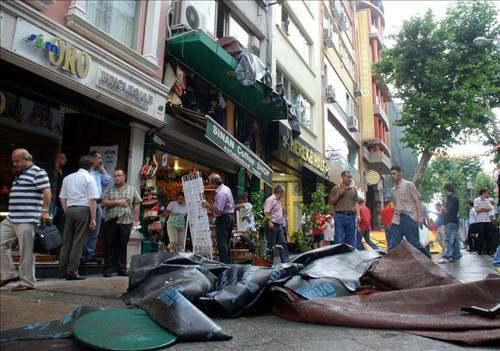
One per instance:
(197, 216)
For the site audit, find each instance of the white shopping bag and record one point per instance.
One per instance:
(423, 235)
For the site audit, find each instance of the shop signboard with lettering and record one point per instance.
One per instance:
(239, 152)
(50, 51)
(301, 150)
(67, 57)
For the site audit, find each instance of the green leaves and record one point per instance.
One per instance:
(447, 84)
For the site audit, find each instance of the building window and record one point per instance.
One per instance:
(297, 38)
(346, 58)
(117, 18)
(301, 105)
(238, 32)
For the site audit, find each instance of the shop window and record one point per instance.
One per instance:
(117, 18)
(301, 105)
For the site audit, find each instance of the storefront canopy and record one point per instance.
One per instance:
(200, 53)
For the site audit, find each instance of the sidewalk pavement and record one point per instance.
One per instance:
(54, 298)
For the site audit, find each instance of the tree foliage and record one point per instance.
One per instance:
(448, 85)
(458, 173)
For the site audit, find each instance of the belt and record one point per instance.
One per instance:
(352, 213)
(78, 206)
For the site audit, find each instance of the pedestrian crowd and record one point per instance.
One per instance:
(83, 200)
(91, 196)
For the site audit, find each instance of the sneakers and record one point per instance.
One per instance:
(444, 260)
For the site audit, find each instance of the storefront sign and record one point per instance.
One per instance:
(303, 151)
(245, 157)
(117, 85)
(109, 156)
(62, 54)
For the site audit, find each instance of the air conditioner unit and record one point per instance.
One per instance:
(330, 94)
(328, 37)
(187, 14)
(353, 124)
(343, 22)
(357, 90)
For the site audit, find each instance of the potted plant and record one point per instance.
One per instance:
(260, 257)
(317, 206)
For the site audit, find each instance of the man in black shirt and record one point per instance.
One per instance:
(450, 211)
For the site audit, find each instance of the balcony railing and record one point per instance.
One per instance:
(378, 160)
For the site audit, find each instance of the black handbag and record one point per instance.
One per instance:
(47, 237)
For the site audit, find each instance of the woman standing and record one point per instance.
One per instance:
(176, 223)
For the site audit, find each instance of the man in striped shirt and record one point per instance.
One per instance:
(28, 202)
(483, 207)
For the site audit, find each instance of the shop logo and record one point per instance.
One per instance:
(111, 82)
(63, 54)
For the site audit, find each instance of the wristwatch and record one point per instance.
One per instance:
(45, 210)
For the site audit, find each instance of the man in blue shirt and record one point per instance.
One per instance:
(450, 211)
(103, 179)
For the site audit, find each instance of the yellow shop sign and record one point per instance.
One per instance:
(63, 54)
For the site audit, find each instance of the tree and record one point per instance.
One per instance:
(448, 85)
(484, 181)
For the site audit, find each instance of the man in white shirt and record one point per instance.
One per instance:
(78, 198)
(483, 207)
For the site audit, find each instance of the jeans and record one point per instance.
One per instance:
(345, 229)
(496, 259)
(365, 235)
(274, 235)
(451, 244)
(223, 227)
(388, 238)
(407, 228)
(92, 236)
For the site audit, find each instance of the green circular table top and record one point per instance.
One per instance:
(121, 329)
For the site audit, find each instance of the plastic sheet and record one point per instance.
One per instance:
(58, 329)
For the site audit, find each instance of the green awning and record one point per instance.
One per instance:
(200, 53)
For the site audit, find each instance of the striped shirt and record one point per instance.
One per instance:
(25, 200)
(482, 217)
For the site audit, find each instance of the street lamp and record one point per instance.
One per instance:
(482, 41)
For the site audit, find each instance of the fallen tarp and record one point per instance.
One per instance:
(405, 268)
(58, 329)
(179, 291)
(432, 311)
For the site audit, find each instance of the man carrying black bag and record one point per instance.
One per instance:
(29, 202)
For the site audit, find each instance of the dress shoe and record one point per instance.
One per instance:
(74, 277)
(7, 281)
(106, 274)
(22, 287)
(123, 274)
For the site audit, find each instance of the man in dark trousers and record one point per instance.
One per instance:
(78, 196)
(450, 213)
(122, 203)
(223, 208)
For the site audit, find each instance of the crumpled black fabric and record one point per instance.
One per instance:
(58, 329)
